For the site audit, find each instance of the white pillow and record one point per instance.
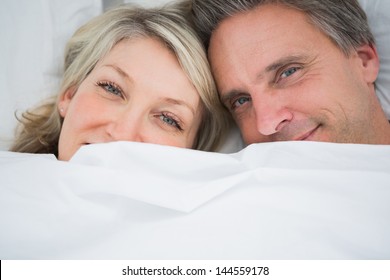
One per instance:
(148, 3)
(378, 13)
(33, 36)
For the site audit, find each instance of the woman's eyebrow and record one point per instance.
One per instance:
(168, 100)
(179, 102)
(119, 70)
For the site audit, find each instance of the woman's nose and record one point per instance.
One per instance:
(126, 127)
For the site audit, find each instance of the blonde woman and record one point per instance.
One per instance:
(130, 74)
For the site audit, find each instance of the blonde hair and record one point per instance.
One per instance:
(40, 128)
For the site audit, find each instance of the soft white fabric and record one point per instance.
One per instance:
(33, 36)
(287, 200)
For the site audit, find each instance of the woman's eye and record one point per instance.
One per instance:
(240, 101)
(169, 120)
(111, 88)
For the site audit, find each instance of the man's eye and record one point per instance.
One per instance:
(289, 72)
(240, 101)
(111, 88)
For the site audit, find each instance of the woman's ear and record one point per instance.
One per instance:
(65, 100)
(369, 62)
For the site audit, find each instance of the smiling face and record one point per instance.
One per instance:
(283, 79)
(138, 92)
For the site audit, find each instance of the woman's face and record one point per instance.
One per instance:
(138, 92)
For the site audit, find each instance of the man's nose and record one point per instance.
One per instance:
(271, 113)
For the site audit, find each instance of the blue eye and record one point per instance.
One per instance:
(169, 120)
(111, 88)
(289, 72)
(240, 101)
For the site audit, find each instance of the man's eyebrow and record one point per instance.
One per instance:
(119, 70)
(274, 66)
(284, 61)
(179, 102)
(225, 97)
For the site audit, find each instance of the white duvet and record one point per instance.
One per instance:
(291, 200)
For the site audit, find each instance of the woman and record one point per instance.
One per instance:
(130, 74)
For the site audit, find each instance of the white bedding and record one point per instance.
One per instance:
(287, 200)
(140, 201)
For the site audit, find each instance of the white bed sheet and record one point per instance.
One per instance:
(287, 200)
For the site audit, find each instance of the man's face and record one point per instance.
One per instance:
(282, 79)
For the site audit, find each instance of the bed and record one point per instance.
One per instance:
(286, 200)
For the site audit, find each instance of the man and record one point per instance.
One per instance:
(295, 70)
